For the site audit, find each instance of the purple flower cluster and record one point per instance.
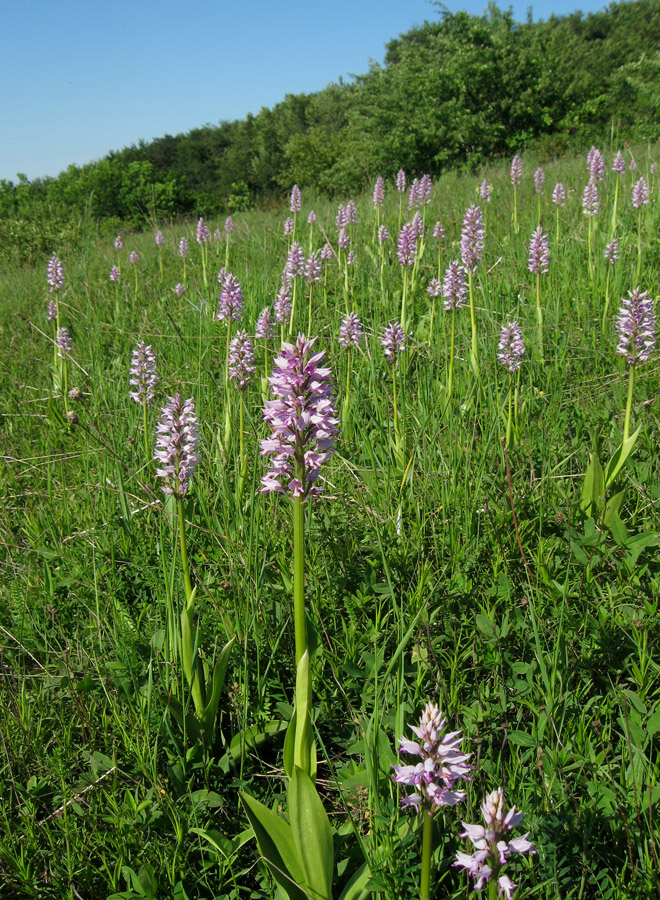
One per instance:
(539, 252)
(393, 341)
(115, 274)
(350, 332)
(434, 288)
(183, 248)
(595, 164)
(282, 304)
(341, 219)
(176, 444)
(344, 240)
(383, 235)
(484, 191)
(202, 233)
(288, 226)
(407, 245)
(311, 218)
(160, 240)
(379, 192)
(312, 268)
(636, 326)
(133, 257)
(118, 243)
(413, 194)
(241, 360)
(230, 300)
(472, 238)
(296, 199)
(303, 419)
(516, 170)
(63, 342)
(401, 181)
(229, 225)
(264, 328)
(492, 852)
(179, 289)
(619, 164)
(438, 231)
(326, 252)
(51, 311)
(511, 347)
(559, 194)
(295, 261)
(640, 194)
(351, 213)
(425, 189)
(442, 763)
(143, 373)
(55, 274)
(454, 286)
(590, 203)
(418, 224)
(611, 252)
(539, 180)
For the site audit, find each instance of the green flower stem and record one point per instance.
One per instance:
(404, 298)
(557, 230)
(427, 849)
(146, 432)
(639, 243)
(539, 216)
(515, 209)
(65, 375)
(539, 316)
(204, 259)
(346, 403)
(607, 296)
(616, 200)
(293, 305)
(160, 261)
(626, 422)
(299, 572)
(474, 350)
(184, 552)
(591, 263)
(452, 349)
(492, 887)
(309, 312)
(509, 420)
(227, 240)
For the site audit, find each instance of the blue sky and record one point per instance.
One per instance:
(79, 78)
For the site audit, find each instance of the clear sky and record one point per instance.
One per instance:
(79, 78)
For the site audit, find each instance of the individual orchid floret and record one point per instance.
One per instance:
(511, 347)
(288, 226)
(454, 286)
(230, 300)
(350, 332)
(559, 194)
(160, 240)
(383, 235)
(472, 238)
(143, 373)
(393, 341)
(611, 252)
(55, 274)
(516, 170)
(63, 342)
(303, 420)
(492, 851)
(619, 164)
(590, 202)
(379, 192)
(133, 257)
(539, 180)
(229, 225)
(311, 218)
(407, 245)
(296, 199)
(539, 252)
(442, 764)
(202, 233)
(484, 191)
(241, 360)
(636, 326)
(118, 243)
(115, 275)
(177, 438)
(183, 248)
(265, 327)
(401, 181)
(640, 194)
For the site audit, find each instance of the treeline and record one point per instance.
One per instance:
(454, 92)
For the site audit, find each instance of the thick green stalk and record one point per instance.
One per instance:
(427, 850)
(510, 416)
(474, 349)
(607, 296)
(515, 209)
(639, 243)
(299, 572)
(450, 378)
(539, 316)
(146, 432)
(626, 423)
(616, 199)
(184, 552)
(404, 298)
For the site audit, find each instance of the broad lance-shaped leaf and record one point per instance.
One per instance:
(299, 745)
(615, 465)
(312, 834)
(593, 486)
(217, 683)
(277, 846)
